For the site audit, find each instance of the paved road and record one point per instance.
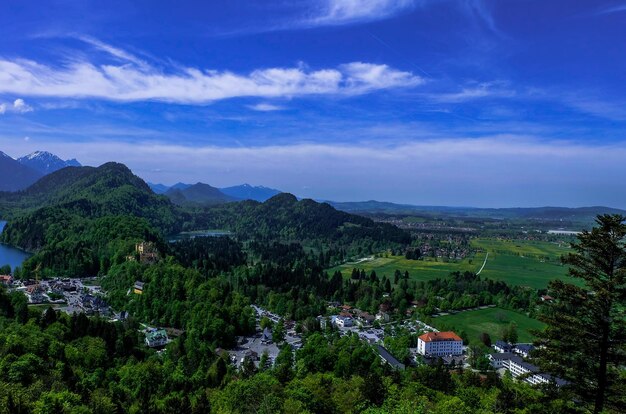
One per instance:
(484, 263)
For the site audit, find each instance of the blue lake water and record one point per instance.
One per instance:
(200, 233)
(10, 255)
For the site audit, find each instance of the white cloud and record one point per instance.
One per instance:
(18, 106)
(337, 12)
(140, 82)
(266, 107)
(21, 107)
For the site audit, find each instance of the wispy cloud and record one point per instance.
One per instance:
(338, 12)
(614, 9)
(135, 80)
(18, 106)
(615, 111)
(266, 107)
(482, 90)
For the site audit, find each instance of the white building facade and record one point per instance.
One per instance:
(439, 344)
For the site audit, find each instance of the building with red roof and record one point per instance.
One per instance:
(439, 344)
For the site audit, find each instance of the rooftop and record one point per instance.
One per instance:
(439, 336)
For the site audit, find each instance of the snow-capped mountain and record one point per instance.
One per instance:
(45, 162)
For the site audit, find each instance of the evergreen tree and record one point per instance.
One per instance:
(586, 334)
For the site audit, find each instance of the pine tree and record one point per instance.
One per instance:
(585, 340)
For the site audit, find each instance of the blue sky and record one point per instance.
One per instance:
(448, 102)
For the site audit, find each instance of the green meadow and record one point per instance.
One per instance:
(426, 269)
(523, 262)
(491, 321)
(518, 262)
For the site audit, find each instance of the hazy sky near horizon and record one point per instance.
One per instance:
(432, 102)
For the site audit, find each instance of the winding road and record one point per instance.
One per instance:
(484, 263)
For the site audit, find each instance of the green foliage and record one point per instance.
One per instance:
(585, 341)
(285, 218)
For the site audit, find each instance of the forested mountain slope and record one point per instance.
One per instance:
(88, 192)
(284, 217)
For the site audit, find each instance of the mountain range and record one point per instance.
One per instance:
(202, 193)
(198, 193)
(18, 174)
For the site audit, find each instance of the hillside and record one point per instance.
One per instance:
(15, 176)
(84, 192)
(198, 193)
(286, 218)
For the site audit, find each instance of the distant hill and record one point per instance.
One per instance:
(158, 188)
(198, 193)
(45, 162)
(248, 192)
(284, 217)
(15, 176)
(579, 215)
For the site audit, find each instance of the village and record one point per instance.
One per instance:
(84, 295)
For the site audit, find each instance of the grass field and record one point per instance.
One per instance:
(418, 269)
(491, 321)
(518, 262)
(523, 262)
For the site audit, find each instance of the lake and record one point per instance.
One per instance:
(10, 255)
(186, 235)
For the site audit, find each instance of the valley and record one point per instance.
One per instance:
(270, 282)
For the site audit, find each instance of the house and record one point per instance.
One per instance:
(497, 360)
(387, 358)
(439, 344)
(382, 316)
(502, 346)
(35, 294)
(138, 288)
(344, 321)
(6, 280)
(156, 338)
(366, 318)
(523, 349)
(546, 298)
(524, 370)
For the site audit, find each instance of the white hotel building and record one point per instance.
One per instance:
(439, 344)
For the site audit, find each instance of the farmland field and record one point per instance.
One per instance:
(523, 262)
(491, 321)
(418, 269)
(518, 262)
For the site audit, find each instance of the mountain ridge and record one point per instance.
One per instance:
(15, 176)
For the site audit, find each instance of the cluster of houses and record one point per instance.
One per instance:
(352, 317)
(77, 297)
(510, 357)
